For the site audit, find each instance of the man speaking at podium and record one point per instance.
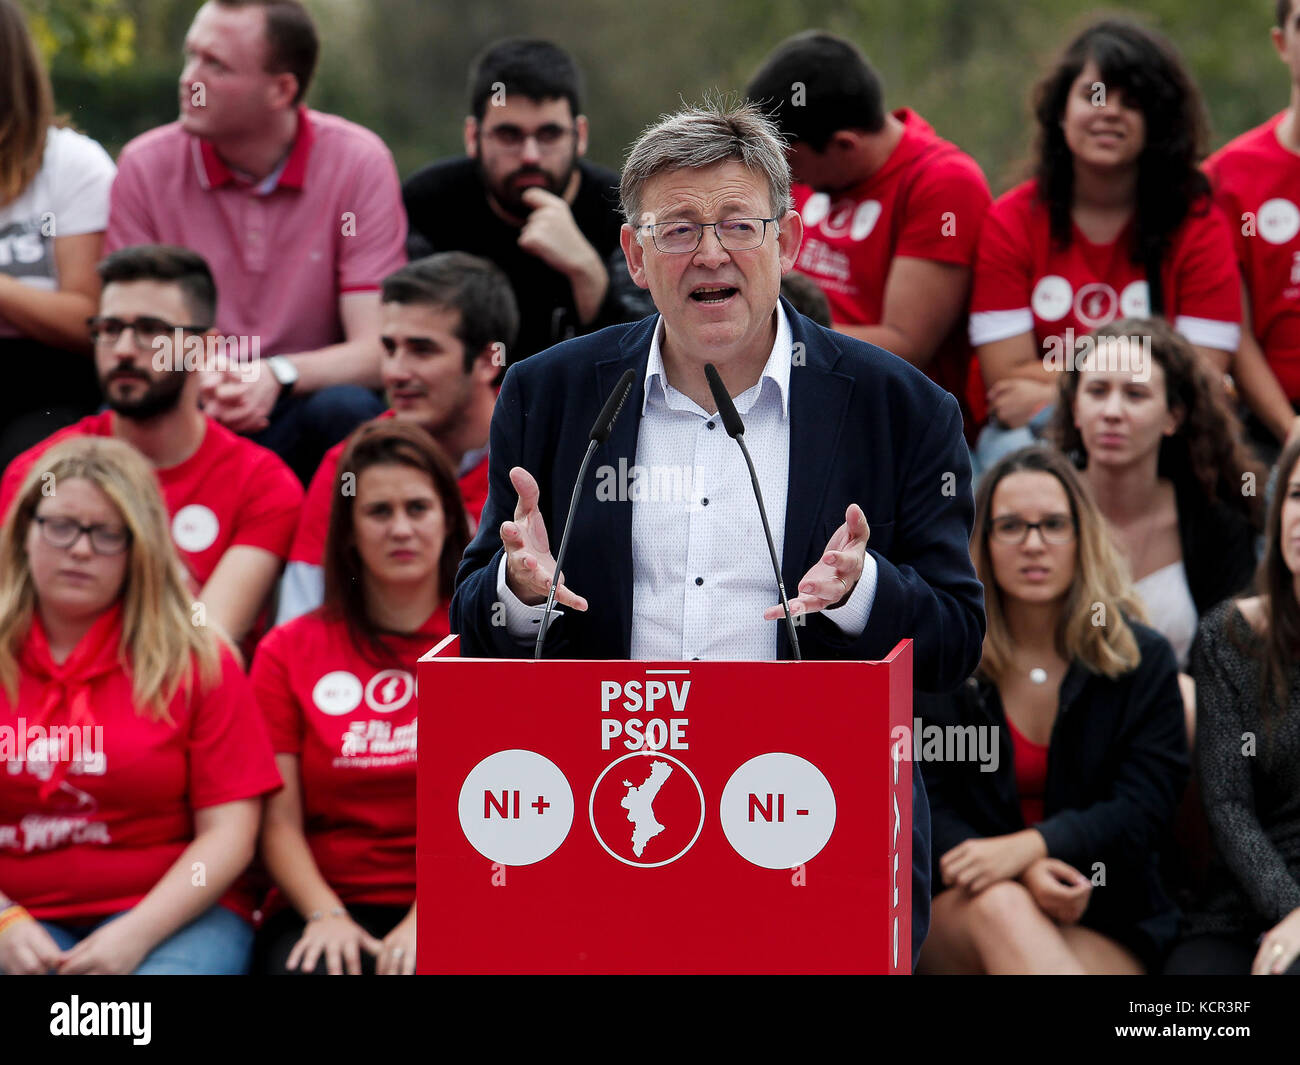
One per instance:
(859, 456)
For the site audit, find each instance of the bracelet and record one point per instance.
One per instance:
(315, 915)
(12, 915)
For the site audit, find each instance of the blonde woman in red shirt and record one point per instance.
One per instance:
(337, 687)
(134, 759)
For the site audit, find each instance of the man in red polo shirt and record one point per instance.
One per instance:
(233, 505)
(891, 211)
(1256, 180)
(447, 321)
(299, 214)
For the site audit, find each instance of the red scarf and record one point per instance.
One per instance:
(67, 684)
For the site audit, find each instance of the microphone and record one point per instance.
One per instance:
(599, 434)
(736, 430)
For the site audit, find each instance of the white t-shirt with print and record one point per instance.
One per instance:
(67, 197)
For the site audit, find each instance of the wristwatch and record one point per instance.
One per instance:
(283, 371)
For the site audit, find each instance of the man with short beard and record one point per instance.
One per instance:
(525, 199)
(233, 504)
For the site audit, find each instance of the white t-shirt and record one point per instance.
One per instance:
(68, 197)
(1169, 603)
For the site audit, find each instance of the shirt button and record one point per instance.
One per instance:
(695, 658)
(710, 425)
(705, 502)
(699, 581)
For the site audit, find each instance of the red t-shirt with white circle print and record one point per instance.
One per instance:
(1025, 283)
(352, 724)
(231, 491)
(88, 828)
(1257, 186)
(926, 202)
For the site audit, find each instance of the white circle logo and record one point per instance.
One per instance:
(648, 813)
(817, 208)
(1135, 300)
(1279, 220)
(337, 693)
(390, 690)
(195, 528)
(1096, 304)
(839, 217)
(516, 807)
(777, 811)
(865, 219)
(1052, 298)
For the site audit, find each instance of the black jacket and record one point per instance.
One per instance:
(865, 427)
(447, 207)
(1218, 546)
(1116, 769)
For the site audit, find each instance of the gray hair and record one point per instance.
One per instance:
(697, 137)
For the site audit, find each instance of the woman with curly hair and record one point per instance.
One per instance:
(1116, 222)
(1045, 857)
(1247, 670)
(1163, 455)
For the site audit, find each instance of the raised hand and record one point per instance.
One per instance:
(836, 573)
(530, 567)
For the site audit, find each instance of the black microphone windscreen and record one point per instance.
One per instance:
(726, 409)
(609, 412)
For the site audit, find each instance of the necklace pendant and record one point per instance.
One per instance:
(1038, 675)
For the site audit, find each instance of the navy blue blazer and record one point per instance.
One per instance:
(866, 427)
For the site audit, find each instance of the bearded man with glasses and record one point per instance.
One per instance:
(233, 504)
(523, 198)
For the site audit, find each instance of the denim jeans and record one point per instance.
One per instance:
(216, 943)
(303, 428)
(996, 442)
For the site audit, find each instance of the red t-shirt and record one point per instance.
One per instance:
(926, 202)
(1031, 774)
(352, 725)
(1257, 186)
(124, 809)
(1025, 283)
(231, 491)
(309, 542)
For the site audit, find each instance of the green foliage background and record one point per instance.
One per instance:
(399, 66)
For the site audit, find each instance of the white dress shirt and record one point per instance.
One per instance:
(701, 572)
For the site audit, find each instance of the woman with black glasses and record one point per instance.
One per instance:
(1044, 857)
(130, 804)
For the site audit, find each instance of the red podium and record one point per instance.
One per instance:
(664, 817)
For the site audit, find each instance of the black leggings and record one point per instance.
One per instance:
(276, 939)
(1217, 956)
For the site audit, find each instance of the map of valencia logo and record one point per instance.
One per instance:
(647, 809)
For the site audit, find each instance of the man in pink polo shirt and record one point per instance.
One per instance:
(298, 213)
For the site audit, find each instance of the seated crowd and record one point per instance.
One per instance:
(247, 445)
